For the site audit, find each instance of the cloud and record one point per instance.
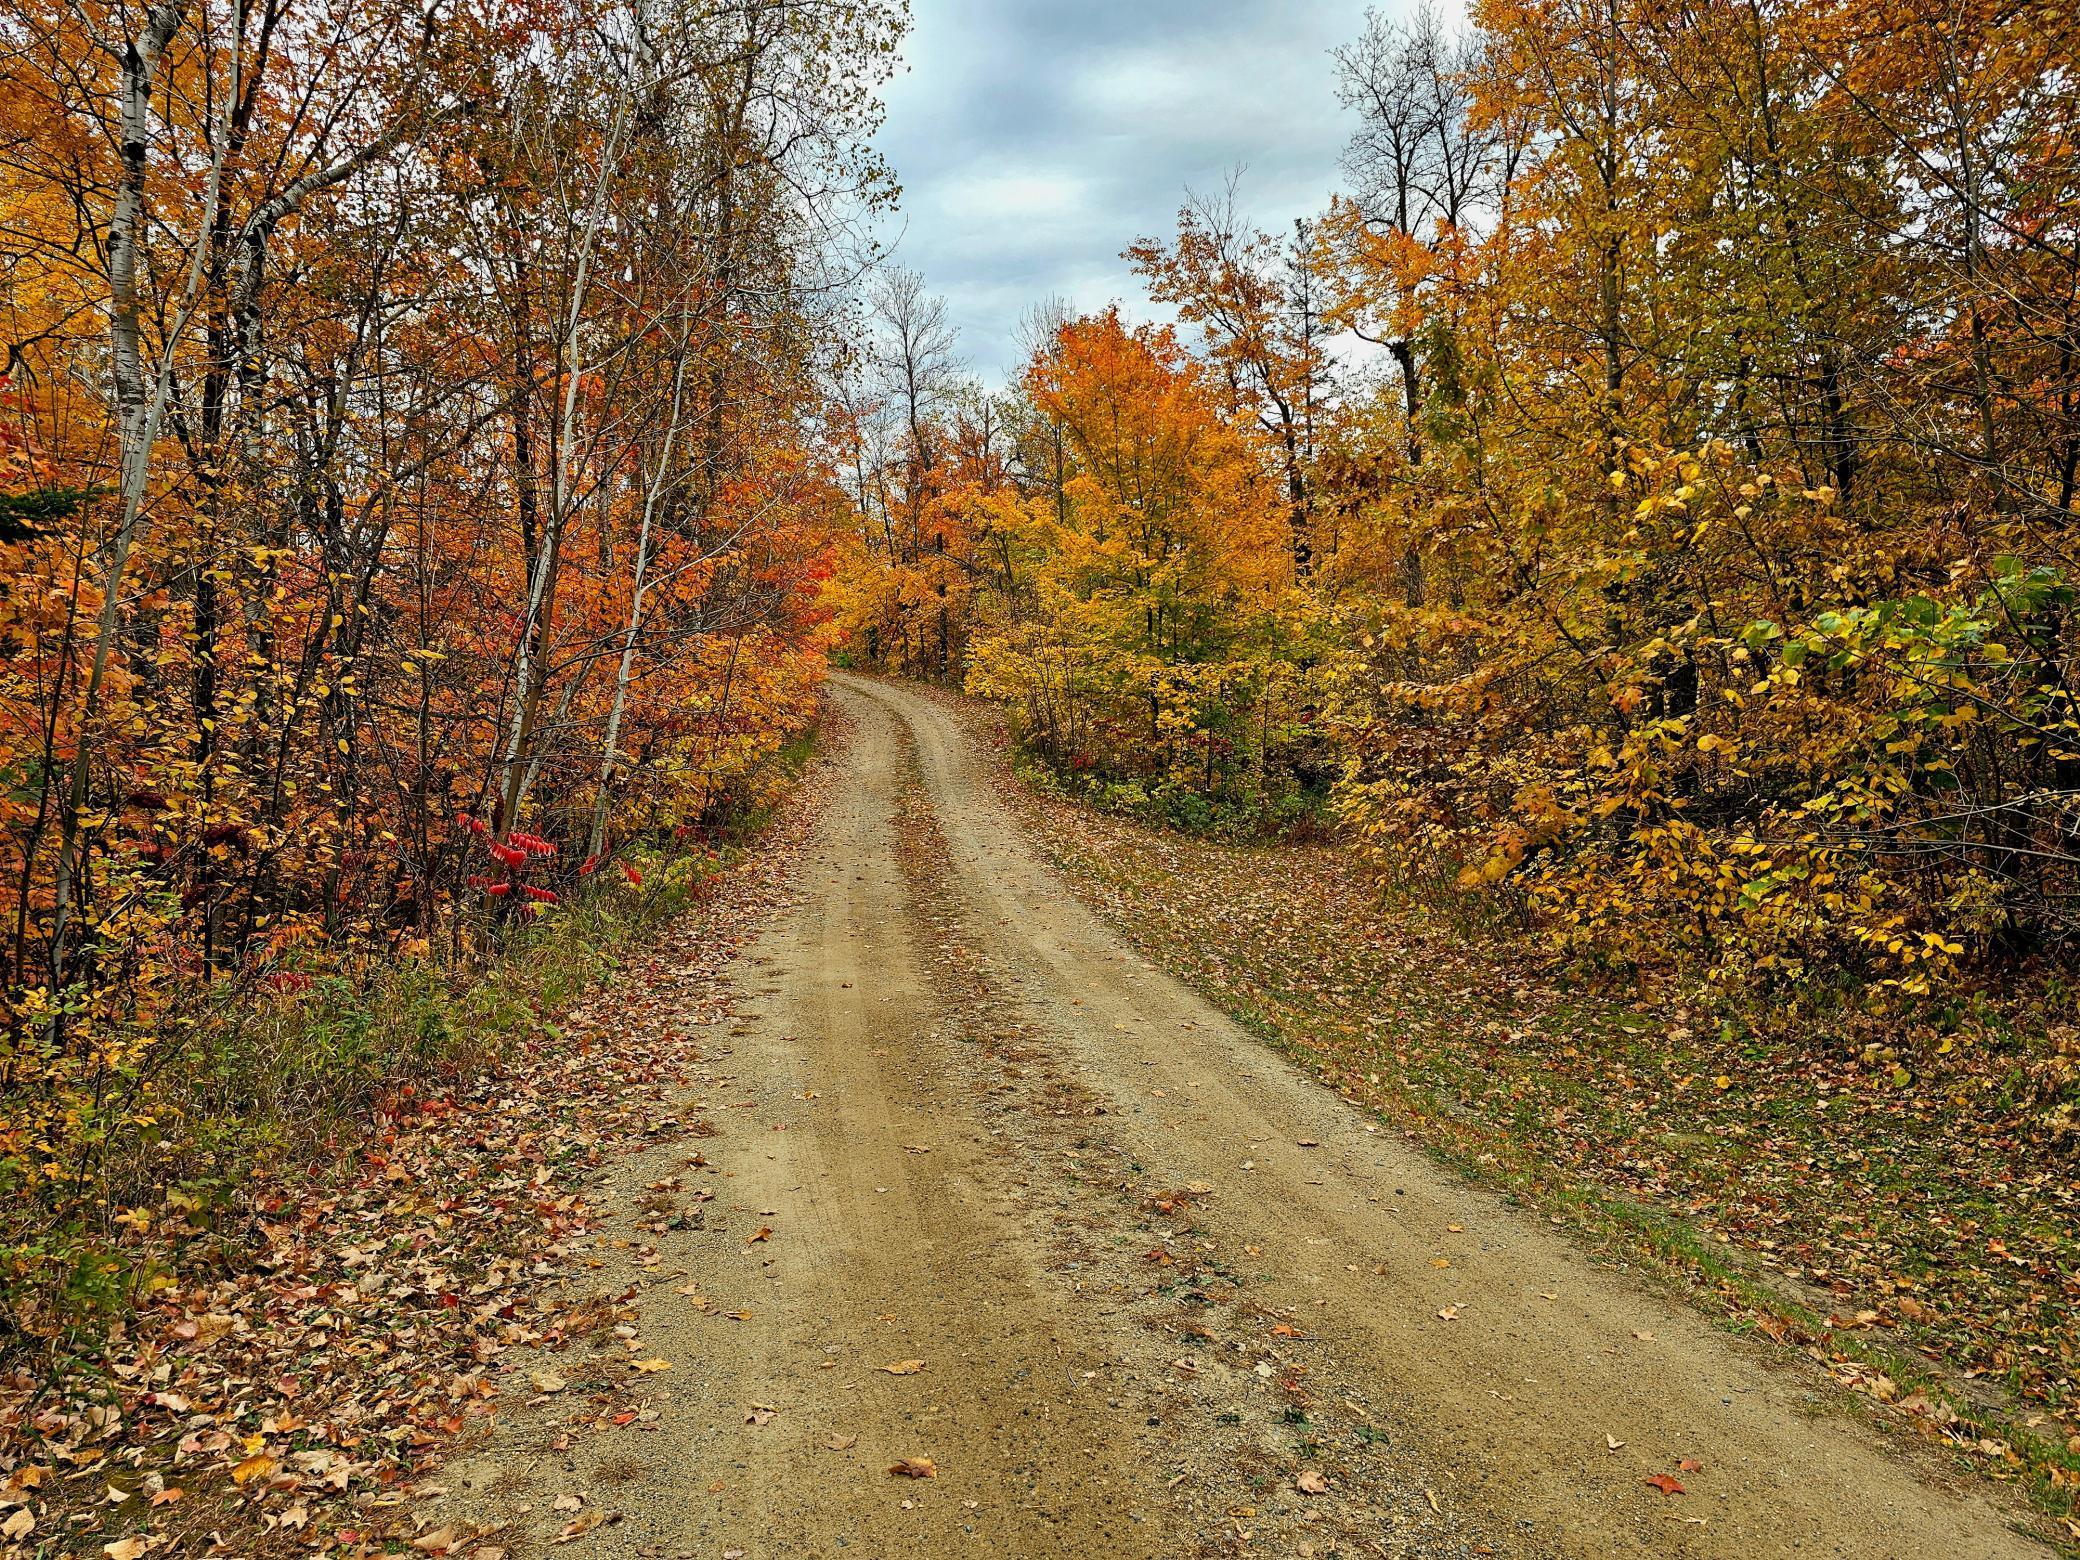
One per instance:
(1035, 141)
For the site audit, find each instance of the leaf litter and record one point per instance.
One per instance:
(308, 1379)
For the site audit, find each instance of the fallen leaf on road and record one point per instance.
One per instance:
(646, 1367)
(1690, 1465)
(915, 1468)
(568, 1503)
(1612, 1441)
(1449, 1314)
(1309, 1143)
(764, 1232)
(580, 1525)
(258, 1466)
(128, 1548)
(1666, 1484)
(840, 1443)
(546, 1381)
(760, 1414)
(1310, 1482)
(904, 1367)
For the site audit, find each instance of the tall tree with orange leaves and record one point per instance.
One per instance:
(417, 485)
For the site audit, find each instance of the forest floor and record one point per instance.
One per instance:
(904, 1205)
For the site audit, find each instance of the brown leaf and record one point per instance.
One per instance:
(584, 1522)
(915, 1468)
(1666, 1484)
(904, 1367)
(840, 1443)
(1309, 1481)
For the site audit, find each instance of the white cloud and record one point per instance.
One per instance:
(1036, 139)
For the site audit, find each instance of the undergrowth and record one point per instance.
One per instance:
(237, 1081)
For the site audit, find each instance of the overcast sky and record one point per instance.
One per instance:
(1036, 139)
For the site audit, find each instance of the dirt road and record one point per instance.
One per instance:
(976, 1185)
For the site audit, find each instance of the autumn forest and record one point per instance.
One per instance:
(510, 587)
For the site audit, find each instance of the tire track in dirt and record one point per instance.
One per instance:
(1510, 1358)
(850, 1213)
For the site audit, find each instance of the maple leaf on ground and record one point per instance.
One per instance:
(1665, 1483)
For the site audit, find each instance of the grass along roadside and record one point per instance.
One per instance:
(1912, 1238)
(322, 1319)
